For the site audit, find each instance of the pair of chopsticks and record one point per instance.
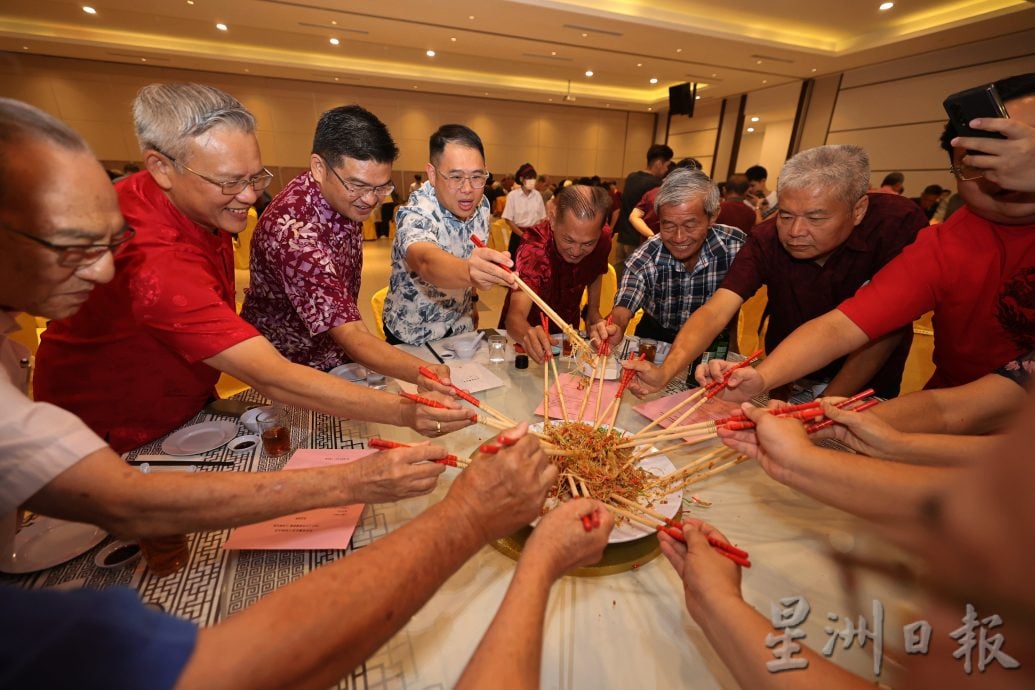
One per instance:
(805, 411)
(428, 402)
(463, 394)
(713, 389)
(674, 529)
(449, 460)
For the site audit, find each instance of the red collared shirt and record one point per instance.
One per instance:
(555, 280)
(130, 362)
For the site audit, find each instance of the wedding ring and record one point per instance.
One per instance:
(438, 428)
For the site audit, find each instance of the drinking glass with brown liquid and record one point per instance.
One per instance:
(165, 555)
(275, 430)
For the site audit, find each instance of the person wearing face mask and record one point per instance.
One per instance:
(559, 258)
(525, 206)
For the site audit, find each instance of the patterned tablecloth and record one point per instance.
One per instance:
(618, 631)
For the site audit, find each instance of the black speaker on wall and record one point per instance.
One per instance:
(681, 99)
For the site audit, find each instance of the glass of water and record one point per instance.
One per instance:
(497, 348)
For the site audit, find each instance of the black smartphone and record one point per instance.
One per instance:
(981, 101)
(229, 408)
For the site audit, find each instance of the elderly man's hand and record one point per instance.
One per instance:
(536, 343)
(560, 542)
(649, 378)
(485, 268)
(778, 443)
(442, 371)
(709, 579)
(602, 330)
(501, 492)
(434, 421)
(395, 474)
(743, 385)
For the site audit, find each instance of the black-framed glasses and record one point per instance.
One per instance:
(477, 180)
(233, 187)
(78, 255)
(360, 190)
(966, 173)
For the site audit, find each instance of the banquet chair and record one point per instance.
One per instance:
(377, 303)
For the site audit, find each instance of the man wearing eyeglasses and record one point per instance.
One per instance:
(435, 265)
(976, 271)
(143, 355)
(307, 252)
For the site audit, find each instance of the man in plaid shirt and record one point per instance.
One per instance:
(677, 270)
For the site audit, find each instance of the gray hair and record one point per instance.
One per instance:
(841, 168)
(684, 184)
(20, 122)
(168, 116)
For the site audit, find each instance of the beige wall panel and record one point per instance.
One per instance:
(820, 110)
(289, 148)
(292, 114)
(774, 148)
(610, 132)
(34, 91)
(82, 99)
(696, 144)
(268, 147)
(911, 147)
(637, 141)
(413, 152)
(582, 163)
(750, 151)
(609, 162)
(260, 107)
(553, 161)
(106, 140)
(950, 59)
(507, 158)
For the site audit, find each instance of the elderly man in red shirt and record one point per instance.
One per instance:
(559, 259)
(143, 354)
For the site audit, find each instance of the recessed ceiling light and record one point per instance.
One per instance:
(813, 69)
(553, 52)
(885, 6)
(430, 53)
(335, 79)
(697, 98)
(247, 70)
(334, 41)
(89, 10)
(486, 93)
(649, 108)
(25, 47)
(452, 39)
(414, 86)
(143, 59)
(653, 80)
(585, 35)
(754, 119)
(550, 99)
(679, 50)
(221, 26)
(715, 75)
(334, 22)
(190, 2)
(470, 16)
(765, 81)
(589, 73)
(758, 62)
(751, 129)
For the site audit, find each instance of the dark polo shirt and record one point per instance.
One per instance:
(802, 290)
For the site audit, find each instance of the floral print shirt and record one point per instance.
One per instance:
(306, 264)
(415, 310)
(1019, 370)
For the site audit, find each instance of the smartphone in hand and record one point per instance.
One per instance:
(981, 101)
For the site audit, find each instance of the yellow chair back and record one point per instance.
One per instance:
(377, 303)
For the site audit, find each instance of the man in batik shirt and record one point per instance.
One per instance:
(307, 252)
(435, 263)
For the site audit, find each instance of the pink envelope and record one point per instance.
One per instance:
(323, 528)
(713, 409)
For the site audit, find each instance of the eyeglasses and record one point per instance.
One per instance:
(966, 173)
(234, 187)
(79, 255)
(360, 190)
(454, 181)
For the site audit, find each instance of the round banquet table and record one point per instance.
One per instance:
(624, 630)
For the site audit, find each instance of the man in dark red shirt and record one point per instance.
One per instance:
(732, 210)
(559, 259)
(143, 354)
(829, 237)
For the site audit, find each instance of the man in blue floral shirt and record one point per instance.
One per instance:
(435, 264)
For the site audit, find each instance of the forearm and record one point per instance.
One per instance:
(376, 354)
(640, 226)
(874, 489)
(515, 229)
(517, 323)
(696, 334)
(811, 346)
(104, 490)
(979, 407)
(350, 609)
(441, 268)
(620, 317)
(510, 654)
(738, 634)
(942, 449)
(861, 366)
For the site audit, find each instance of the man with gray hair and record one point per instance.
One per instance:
(144, 353)
(828, 238)
(675, 272)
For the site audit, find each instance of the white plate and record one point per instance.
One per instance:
(199, 438)
(668, 506)
(46, 542)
